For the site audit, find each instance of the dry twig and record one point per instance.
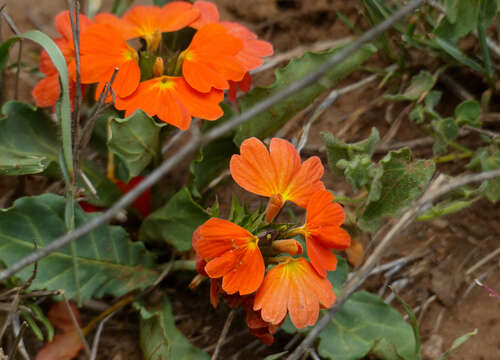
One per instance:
(223, 334)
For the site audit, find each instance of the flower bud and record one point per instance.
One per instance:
(289, 246)
(158, 67)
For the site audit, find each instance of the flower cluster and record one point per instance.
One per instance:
(185, 60)
(262, 270)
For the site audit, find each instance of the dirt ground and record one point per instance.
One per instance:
(441, 279)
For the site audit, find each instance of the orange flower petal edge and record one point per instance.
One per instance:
(208, 14)
(323, 232)
(293, 287)
(210, 59)
(173, 101)
(276, 172)
(103, 49)
(232, 253)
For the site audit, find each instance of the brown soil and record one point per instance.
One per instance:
(455, 242)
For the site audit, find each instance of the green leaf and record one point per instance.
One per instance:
(488, 12)
(213, 158)
(491, 163)
(458, 342)
(338, 150)
(462, 19)
(135, 140)
(28, 140)
(456, 54)
(414, 324)
(398, 182)
(4, 51)
(359, 171)
(175, 222)
(33, 325)
(445, 208)
(40, 316)
(63, 105)
(445, 131)
(360, 325)
(268, 122)
(420, 84)
(108, 262)
(161, 340)
(467, 113)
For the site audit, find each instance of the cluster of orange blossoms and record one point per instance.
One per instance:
(187, 58)
(232, 257)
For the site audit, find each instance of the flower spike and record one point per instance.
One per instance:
(277, 174)
(296, 288)
(232, 253)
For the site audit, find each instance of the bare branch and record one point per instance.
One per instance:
(209, 136)
(223, 334)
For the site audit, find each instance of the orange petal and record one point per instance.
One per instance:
(247, 276)
(210, 60)
(332, 237)
(63, 25)
(126, 29)
(60, 317)
(286, 161)
(221, 265)
(202, 105)
(176, 15)
(306, 182)
(47, 91)
(208, 13)
(322, 258)
(321, 286)
(216, 236)
(272, 296)
(321, 210)
(144, 20)
(274, 206)
(253, 169)
(303, 305)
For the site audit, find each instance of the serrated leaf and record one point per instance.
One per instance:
(175, 222)
(108, 262)
(445, 131)
(420, 84)
(398, 182)
(467, 113)
(28, 140)
(135, 140)
(360, 325)
(161, 340)
(268, 122)
(338, 150)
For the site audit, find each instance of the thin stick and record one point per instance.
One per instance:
(483, 261)
(19, 336)
(74, 15)
(435, 190)
(209, 136)
(76, 325)
(95, 344)
(223, 334)
(16, 31)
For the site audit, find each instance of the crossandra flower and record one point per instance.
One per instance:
(103, 49)
(173, 101)
(47, 91)
(294, 287)
(277, 174)
(322, 231)
(149, 22)
(232, 253)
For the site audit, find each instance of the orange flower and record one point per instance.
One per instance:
(277, 174)
(148, 22)
(231, 253)
(47, 91)
(208, 13)
(293, 287)
(104, 49)
(244, 84)
(173, 101)
(210, 60)
(323, 232)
